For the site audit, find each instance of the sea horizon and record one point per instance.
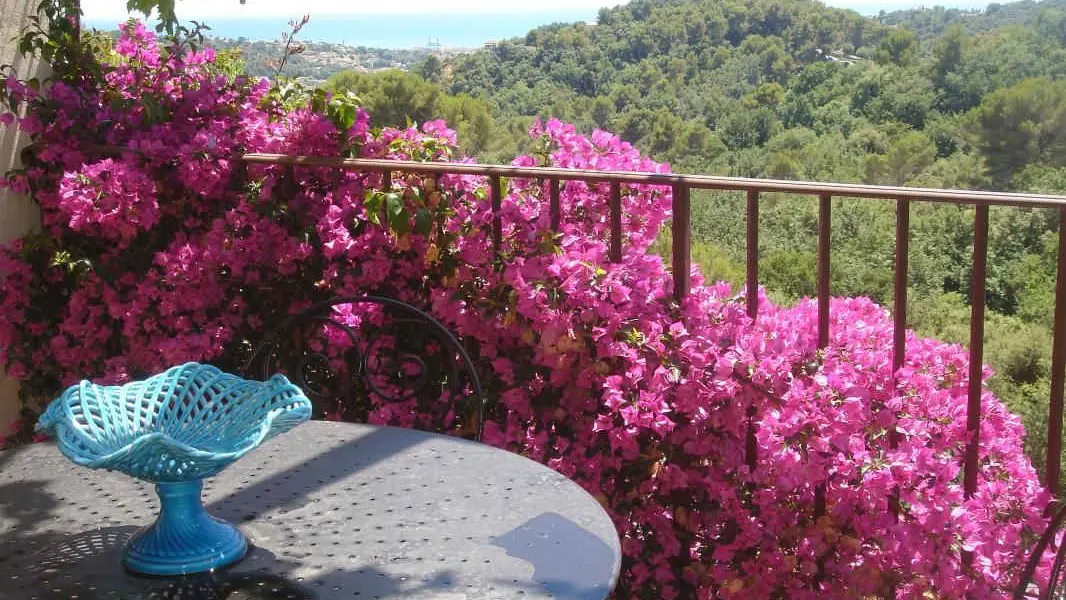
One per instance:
(400, 31)
(452, 30)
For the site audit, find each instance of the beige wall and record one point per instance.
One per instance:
(17, 214)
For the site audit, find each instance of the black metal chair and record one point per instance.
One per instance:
(1056, 586)
(353, 355)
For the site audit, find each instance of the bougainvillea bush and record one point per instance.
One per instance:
(172, 251)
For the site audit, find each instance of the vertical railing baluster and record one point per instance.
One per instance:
(977, 343)
(556, 209)
(337, 177)
(824, 204)
(616, 222)
(823, 270)
(682, 240)
(899, 321)
(752, 263)
(977, 331)
(386, 186)
(437, 177)
(752, 291)
(288, 187)
(899, 314)
(1058, 367)
(496, 197)
(240, 175)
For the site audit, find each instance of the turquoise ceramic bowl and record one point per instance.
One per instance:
(175, 429)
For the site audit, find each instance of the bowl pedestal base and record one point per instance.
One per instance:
(184, 539)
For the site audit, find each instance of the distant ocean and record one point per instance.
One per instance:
(390, 31)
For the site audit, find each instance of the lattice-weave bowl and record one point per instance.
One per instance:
(175, 429)
(188, 422)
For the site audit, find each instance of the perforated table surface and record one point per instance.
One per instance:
(333, 511)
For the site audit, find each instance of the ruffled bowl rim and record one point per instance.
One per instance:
(56, 426)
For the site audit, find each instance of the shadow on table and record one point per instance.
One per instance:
(88, 566)
(348, 458)
(539, 541)
(29, 505)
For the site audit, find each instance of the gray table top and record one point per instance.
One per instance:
(333, 510)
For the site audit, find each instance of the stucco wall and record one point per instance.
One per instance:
(17, 214)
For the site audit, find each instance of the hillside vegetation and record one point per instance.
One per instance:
(931, 22)
(800, 91)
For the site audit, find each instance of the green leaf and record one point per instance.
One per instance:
(393, 203)
(168, 20)
(318, 101)
(400, 222)
(373, 203)
(345, 117)
(423, 221)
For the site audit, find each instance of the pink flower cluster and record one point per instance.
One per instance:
(174, 253)
(109, 200)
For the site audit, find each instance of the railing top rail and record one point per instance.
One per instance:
(670, 179)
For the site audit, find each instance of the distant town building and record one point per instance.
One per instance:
(838, 56)
(434, 47)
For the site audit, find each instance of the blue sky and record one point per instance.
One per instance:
(206, 9)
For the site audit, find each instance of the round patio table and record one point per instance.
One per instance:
(333, 510)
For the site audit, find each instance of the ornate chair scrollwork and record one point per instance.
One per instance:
(1056, 585)
(365, 356)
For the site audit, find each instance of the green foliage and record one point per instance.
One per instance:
(230, 62)
(1042, 179)
(168, 19)
(430, 69)
(899, 47)
(1023, 125)
(703, 72)
(930, 23)
(948, 55)
(393, 97)
(907, 156)
(53, 33)
(398, 98)
(790, 273)
(748, 129)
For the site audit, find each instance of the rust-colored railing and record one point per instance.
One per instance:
(682, 185)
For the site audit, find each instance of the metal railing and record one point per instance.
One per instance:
(682, 185)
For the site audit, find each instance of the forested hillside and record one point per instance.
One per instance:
(793, 89)
(931, 22)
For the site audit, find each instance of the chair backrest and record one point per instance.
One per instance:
(360, 355)
(1056, 585)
